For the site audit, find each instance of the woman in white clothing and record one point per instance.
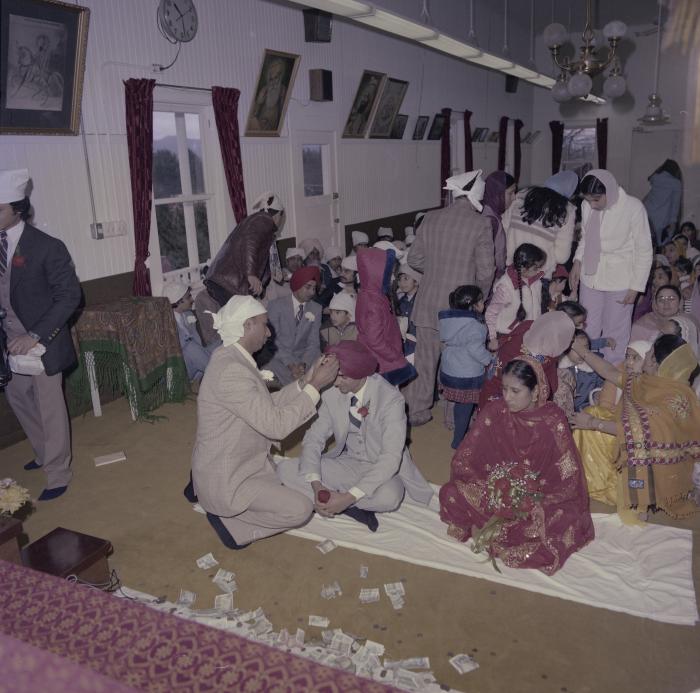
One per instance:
(612, 260)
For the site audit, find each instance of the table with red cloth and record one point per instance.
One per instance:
(131, 346)
(122, 644)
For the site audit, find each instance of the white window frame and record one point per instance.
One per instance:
(573, 164)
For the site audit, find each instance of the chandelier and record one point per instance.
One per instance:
(575, 76)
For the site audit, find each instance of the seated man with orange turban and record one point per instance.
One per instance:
(296, 324)
(369, 468)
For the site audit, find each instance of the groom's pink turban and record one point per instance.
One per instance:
(355, 360)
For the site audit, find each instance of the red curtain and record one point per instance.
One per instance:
(502, 131)
(468, 153)
(445, 162)
(517, 152)
(225, 101)
(601, 135)
(139, 139)
(557, 128)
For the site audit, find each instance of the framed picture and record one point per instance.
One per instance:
(364, 104)
(437, 127)
(493, 137)
(421, 127)
(272, 92)
(389, 104)
(532, 136)
(42, 64)
(479, 133)
(397, 129)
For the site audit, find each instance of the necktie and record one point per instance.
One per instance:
(300, 313)
(353, 419)
(3, 252)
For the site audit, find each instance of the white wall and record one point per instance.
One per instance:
(629, 146)
(376, 178)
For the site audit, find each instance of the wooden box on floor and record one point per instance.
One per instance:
(10, 529)
(64, 552)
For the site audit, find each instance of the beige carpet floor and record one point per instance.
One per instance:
(524, 642)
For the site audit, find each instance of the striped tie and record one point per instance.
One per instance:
(300, 313)
(354, 420)
(3, 253)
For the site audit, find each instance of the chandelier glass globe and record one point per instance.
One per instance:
(580, 84)
(614, 86)
(560, 92)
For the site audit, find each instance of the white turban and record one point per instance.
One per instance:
(268, 201)
(350, 263)
(410, 238)
(333, 252)
(343, 301)
(294, 252)
(387, 245)
(385, 232)
(456, 185)
(13, 185)
(228, 321)
(310, 244)
(359, 237)
(174, 291)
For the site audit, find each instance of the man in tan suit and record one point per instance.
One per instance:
(237, 420)
(453, 246)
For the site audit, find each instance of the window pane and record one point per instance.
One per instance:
(172, 237)
(166, 167)
(200, 222)
(194, 147)
(579, 144)
(312, 161)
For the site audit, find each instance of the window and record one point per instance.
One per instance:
(579, 152)
(312, 163)
(181, 200)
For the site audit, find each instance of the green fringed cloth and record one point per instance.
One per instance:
(136, 350)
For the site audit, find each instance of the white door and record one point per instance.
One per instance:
(316, 202)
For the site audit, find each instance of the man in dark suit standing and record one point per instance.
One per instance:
(40, 291)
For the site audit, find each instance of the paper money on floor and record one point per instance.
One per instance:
(369, 595)
(320, 621)
(207, 561)
(364, 571)
(187, 598)
(464, 663)
(412, 663)
(326, 546)
(331, 591)
(198, 508)
(223, 602)
(225, 580)
(396, 593)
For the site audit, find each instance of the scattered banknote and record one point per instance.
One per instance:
(207, 561)
(369, 595)
(326, 546)
(412, 663)
(320, 621)
(463, 663)
(187, 598)
(223, 602)
(364, 571)
(299, 637)
(396, 593)
(331, 591)
(225, 580)
(342, 643)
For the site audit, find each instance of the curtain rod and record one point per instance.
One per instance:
(180, 86)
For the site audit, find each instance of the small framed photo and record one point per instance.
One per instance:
(437, 127)
(421, 127)
(389, 104)
(364, 104)
(493, 137)
(399, 126)
(272, 92)
(42, 65)
(533, 136)
(479, 133)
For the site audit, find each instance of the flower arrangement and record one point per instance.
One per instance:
(512, 492)
(12, 496)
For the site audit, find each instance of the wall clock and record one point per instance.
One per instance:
(177, 20)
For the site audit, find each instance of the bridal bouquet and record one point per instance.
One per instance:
(512, 492)
(12, 496)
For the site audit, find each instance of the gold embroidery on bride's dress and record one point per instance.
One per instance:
(568, 537)
(567, 465)
(679, 405)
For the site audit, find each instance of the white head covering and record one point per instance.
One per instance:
(349, 262)
(228, 321)
(410, 238)
(13, 184)
(294, 252)
(267, 201)
(456, 185)
(409, 271)
(388, 245)
(310, 244)
(401, 245)
(640, 346)
(385, 232)
(359, 237)
(332, 252)
(343, 301)
(174, 291)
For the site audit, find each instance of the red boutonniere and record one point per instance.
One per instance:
(363, 411)
(19, 261)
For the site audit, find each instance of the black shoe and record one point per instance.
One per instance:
(30, 466)
(366, 517)
(188, 491)
(225, 536)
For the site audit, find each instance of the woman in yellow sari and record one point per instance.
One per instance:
(656, 429)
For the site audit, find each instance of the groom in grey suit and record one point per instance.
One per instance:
(296, 321)
(369, 468)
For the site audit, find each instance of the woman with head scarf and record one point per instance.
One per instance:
(613, 259)
(663, 201)
(499, 193)
(516, 486)
(657, 427)
(668, 303)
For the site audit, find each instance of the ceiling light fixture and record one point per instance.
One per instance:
(654, 114)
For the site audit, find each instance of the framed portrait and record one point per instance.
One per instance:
(364, 104)
(479, 133)
(399, 126)
(421, 127)
(272, 92)
(493, 137)
(532, 136)
(437, 127)
(389, 103)
(42, 64)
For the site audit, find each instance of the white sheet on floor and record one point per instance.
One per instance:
(643, 571)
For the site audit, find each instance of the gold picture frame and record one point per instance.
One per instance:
(272, 93)
(43, 45)
(364, 104)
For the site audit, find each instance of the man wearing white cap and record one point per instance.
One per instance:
(195, 354)
(384, 233)
(453, 246)
(359, 240)
(39, 291)
(237, 421)
(342, 314)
